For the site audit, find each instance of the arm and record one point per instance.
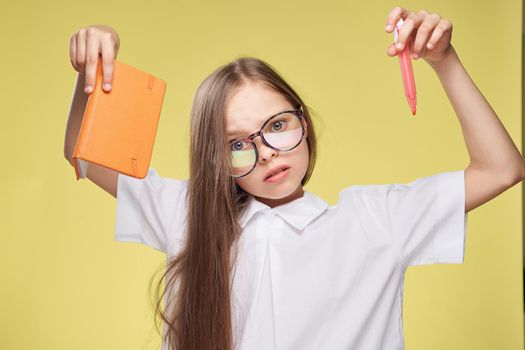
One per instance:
(495, 162)
(103, 177)
(85, 46)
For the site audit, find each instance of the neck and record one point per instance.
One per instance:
(298, 193)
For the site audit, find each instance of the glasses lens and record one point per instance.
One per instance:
(284, 131)
(242, 157)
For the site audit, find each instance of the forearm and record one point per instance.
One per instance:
(76, 114)
(489, 145)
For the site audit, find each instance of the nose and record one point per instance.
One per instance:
(265, 152)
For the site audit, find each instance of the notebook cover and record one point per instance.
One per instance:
(119, 127)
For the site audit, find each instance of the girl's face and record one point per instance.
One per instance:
(247, 109)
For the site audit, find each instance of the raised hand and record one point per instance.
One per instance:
(429, 35)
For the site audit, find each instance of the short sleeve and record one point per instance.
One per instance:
(425, 219)
(151, 211)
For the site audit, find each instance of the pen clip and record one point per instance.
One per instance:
(397, 28)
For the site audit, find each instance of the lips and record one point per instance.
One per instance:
(276, 170)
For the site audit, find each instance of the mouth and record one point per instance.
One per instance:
(277, 173)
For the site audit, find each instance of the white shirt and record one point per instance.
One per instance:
(310, 275)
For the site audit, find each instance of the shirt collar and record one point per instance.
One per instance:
(298, 213)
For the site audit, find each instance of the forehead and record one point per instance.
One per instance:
(250, 106)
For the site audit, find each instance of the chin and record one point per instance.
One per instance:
(286, 190)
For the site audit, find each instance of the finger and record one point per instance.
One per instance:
(108, 63)
(423, 33)
(81, 50)
(412, 21)
(423, 52)
(438, 32)
(393, 17)
(73, 51)
(391, 51)
(92, 54)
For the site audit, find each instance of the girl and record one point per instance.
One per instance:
(256, 262)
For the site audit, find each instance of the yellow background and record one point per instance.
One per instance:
(65, 282)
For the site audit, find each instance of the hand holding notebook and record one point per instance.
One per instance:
(119, 127)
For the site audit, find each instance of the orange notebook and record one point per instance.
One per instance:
(119, 127)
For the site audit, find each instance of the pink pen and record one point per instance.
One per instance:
(406, 69)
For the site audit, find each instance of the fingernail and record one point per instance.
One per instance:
(88, 88)
(388, 27)
(399, 45)
(107, 86)
(414, 55)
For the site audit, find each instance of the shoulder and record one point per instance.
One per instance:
(366, 202)
(363, 194)
(374, 192)
(381, 201)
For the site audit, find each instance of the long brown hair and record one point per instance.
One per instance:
(198, 280)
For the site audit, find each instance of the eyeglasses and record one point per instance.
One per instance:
(282, 132)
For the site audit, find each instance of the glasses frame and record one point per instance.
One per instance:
(297, 112)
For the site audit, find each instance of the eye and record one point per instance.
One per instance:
(279, 124)
(237, 145)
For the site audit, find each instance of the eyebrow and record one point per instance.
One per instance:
(237, 132)
(244, 131)
(233, 135)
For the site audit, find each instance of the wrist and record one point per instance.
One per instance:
(449, 57)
